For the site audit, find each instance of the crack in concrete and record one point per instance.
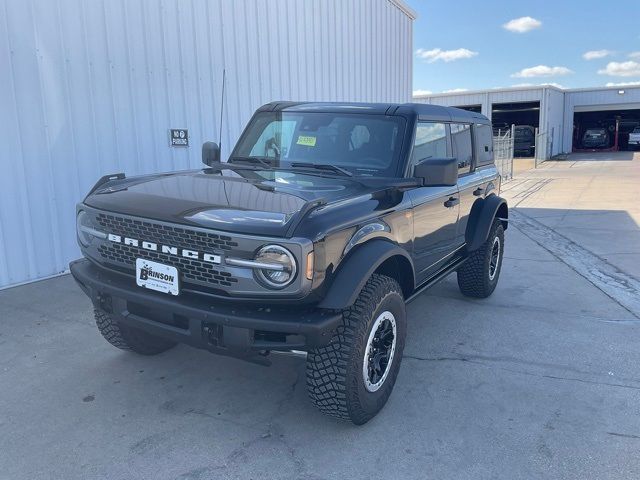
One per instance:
(522, 307)
(621, 287)
(485, 361)
(271, 434)
(624, 435)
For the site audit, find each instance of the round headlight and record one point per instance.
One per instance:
(86, 229)
(83, 223)
(281, 264)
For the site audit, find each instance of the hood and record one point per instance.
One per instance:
(263, 202)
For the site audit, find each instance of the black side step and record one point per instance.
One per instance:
(440, 275)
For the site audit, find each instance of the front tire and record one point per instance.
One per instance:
(352, 377)
(478, 276)
(126, 338)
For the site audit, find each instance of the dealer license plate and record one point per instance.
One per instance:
(157, 276)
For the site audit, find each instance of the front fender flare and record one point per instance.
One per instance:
(481, 218)
(356, 269)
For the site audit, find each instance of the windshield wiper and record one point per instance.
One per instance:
(264, 161)
(323, 166)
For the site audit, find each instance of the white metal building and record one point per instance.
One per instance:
(553, 110)
(92, 87)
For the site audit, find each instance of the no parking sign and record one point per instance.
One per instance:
(179, 137)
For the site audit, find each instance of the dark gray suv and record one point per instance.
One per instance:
(323, 223)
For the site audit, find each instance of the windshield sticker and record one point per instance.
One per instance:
(307, 141)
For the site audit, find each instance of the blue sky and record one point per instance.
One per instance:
(470, 45)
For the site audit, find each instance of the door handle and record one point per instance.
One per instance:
(451, 202)
(478, 191)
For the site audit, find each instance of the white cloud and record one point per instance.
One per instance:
(444, 55)
(621, 69)
(419, 92)
(634, 55)
(623, 84)
(522, 24)
(541, 71)
(456, 90)
(596, 54)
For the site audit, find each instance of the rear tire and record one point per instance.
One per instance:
(127, 338)
(478, 276)
(352, 377)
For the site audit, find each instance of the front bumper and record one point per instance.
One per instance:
(228, 329)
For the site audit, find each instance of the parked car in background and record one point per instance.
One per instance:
(634, 138)
(525, 140)
(595, 138)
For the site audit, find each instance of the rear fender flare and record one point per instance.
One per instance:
(483, 212)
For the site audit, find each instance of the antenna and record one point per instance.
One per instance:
(224, 75)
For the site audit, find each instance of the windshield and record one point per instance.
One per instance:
(595, 132)
(523, 133)
(360, 143)
(636, 130)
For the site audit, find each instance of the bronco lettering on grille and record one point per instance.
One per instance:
(154, 247)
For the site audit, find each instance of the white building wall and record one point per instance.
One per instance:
(91, 87)
(553, 106)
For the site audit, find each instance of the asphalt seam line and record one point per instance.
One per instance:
(621, 287)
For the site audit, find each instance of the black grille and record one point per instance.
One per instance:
(192, 270)
(165, 234)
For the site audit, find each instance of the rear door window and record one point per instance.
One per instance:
(484, 144)
(462, 146)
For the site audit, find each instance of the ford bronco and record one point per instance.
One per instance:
(323, 223)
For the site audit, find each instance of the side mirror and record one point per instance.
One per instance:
(437, 172)
(210, 153)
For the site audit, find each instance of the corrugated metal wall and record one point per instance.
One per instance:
(91, 87)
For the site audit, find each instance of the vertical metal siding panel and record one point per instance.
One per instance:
(50, 99)
(159, 10)
(305, 55)
(61, 172)
(202, 97)
(152, 72)
(144, 132)
(16, 234)
(31, 121)
(130, 72)
(555, 110)
(195, 95)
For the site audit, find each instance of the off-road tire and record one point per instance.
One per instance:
(474, 278)
(335, 378)
(126, 338)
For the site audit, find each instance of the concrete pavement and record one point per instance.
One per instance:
(539, 381)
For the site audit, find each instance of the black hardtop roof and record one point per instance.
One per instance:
(422, 110)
